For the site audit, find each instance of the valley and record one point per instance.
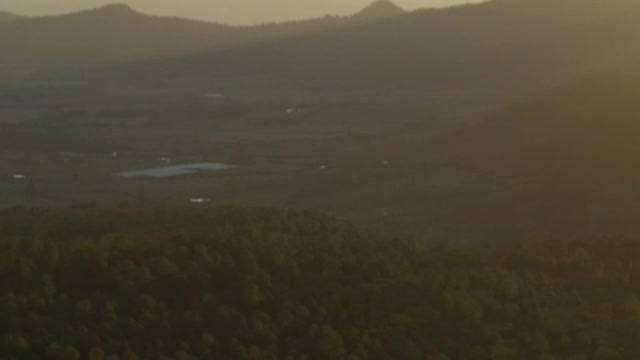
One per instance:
(456, 183)
(409, 137)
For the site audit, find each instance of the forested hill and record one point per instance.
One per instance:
(196, 283)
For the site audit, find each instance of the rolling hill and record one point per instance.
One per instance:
(493, 52)
(6, 17)
(111, 34)
(487, 48)
(561, 164)
(117, 34)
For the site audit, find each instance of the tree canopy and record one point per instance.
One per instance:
(200, 283)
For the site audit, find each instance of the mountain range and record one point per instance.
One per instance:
(534, 103)
(116, 34)
(493, 52)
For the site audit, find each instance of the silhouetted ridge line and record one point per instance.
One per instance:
(380, 9)
(9, 17)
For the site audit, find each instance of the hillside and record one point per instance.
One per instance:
(116, 34)
(6, 17)
(562, 163)
(197, 283)
(489, 47)
(492, 52)
(107, 35)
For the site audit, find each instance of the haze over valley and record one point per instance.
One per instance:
(321, 106)
(454, 156)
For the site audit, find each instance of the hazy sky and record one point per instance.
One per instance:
(229, 11)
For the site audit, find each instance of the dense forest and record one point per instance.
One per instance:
(205, 283)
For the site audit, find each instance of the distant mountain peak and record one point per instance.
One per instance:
(380, 9)
(115, 9)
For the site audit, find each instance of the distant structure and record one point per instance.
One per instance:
(172, 171)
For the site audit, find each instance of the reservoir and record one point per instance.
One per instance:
(176, 170)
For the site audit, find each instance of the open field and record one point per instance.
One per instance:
(283, 151)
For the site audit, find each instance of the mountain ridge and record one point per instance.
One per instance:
(117, 33)
(533, 48)
(379, 9)
(6, 17)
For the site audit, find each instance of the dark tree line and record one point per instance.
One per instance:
(196, 283)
